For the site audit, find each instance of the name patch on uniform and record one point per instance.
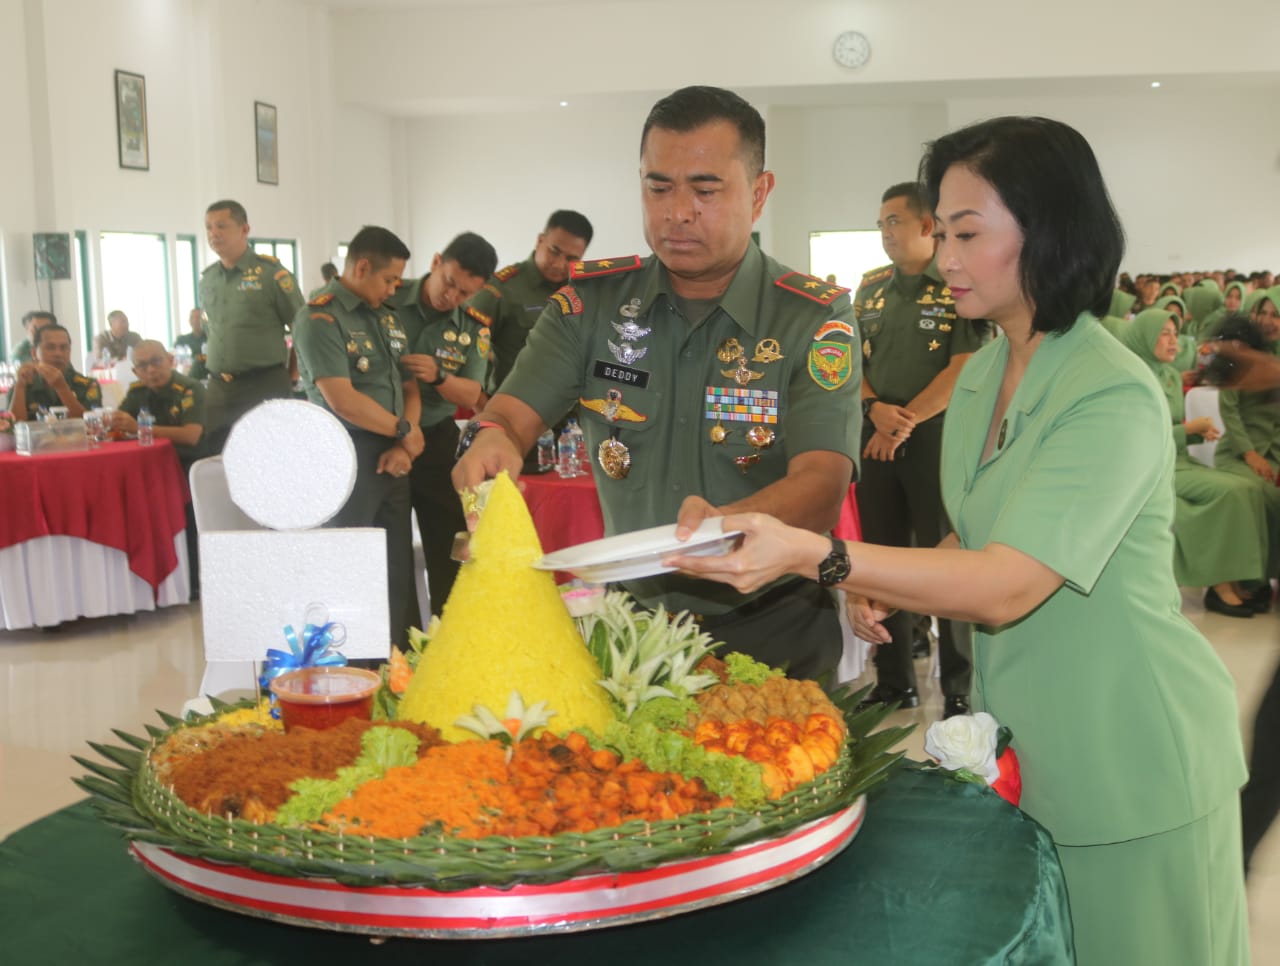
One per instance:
(741, 405)
(835, 325)
(623, 374)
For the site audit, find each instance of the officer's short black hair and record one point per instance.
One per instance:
(1047, 176)
(474, 255)
(692, 107)
(238, 214)
(41, 332)
(378, 245)
(571, 221)
(328, 271)
(911, 191)
(39, 314)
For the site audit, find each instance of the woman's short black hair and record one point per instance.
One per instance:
(1047, 176)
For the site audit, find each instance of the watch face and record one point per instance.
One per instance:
(851, 49)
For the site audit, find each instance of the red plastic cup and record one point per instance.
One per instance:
(322, 697)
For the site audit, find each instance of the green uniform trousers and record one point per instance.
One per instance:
(439, 510)
(1174, 899)
(382, 500)
(900, 505)
(225, 402)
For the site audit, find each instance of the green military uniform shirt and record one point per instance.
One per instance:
(22, 352)
(249, 307)
(178, 403)
(514, 299)
(716, 408)
(1123, 718)
(40, 393)
(458, 339)
(910, 331)
(196, 345)
(337, 334)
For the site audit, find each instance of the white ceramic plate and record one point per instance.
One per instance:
(639, 553)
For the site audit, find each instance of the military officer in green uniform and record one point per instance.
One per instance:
(516, 295)
(32, 321)
(710, 378)
(176, 401)
(913, 349)
(194, 343)
(349, 344)
(250, 300)
(52, 380)
(447, 352)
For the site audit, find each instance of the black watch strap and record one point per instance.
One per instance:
(403, 428)
(469, 435)
(866, 406)
(835, 567)
(441, 376)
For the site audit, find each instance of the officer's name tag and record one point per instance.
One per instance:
(623, 374)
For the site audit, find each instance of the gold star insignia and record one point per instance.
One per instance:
(934, 344)
(579, 266)
(812, 284)
(604, 263)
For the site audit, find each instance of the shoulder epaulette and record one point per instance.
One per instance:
(876, 275)
(136, 384)
(507, 273)
(324, 299)
(479, 316)
(81, 380)
(824, 293)
(604, 266)
(267, 258)
(280, 274)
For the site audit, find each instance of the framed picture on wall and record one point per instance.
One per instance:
(267, 140)
(131, 121)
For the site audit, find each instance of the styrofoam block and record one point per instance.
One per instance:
(290, 464)
(254, 582)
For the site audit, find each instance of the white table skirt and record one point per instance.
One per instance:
(53, 579)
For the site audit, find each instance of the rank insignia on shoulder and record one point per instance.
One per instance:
(877, 275)
(324, 299)
(507, 273)
(810, 287)
(830, 364)
(322, 317)
(478, 315)
(566, 299)
(834, 326)
(604, 266)
(268, 258)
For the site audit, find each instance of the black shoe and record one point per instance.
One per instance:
(920, 647)
(1260, 600)
(1216, 604)
(954, 705)
(903, 698)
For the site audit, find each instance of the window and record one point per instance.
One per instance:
(135, 280)
(283, 249)
(187, 274)
(847, 255)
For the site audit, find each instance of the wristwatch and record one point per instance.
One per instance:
(403, 427)
(836, 566)
(866, 406)
(441, 376)
(469, 435)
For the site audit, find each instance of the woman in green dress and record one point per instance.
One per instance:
(1057, 473)
(1219, 521)
(1202, 300)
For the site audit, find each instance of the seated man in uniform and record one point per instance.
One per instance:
(51, 380)
(32, 321)
(176, 401)
(113, 345)
(711, 379)
(447, 351)
(193, 342)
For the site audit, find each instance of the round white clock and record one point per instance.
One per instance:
(851, 49)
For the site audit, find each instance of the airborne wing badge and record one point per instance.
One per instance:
(815, 289)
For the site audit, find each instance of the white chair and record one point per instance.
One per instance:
(214, 510)
(1203, 401)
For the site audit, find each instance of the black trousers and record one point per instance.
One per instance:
(794, 626)
(382, 500)
(1260, 799)
(225, 402)
(900, 505)
(438, 507)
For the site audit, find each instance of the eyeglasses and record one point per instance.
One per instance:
(148, 363)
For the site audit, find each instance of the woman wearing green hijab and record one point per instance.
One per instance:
(1233, 299)
(1186, 357)
(1220, 523)
(1201, 302)
(1169, 288)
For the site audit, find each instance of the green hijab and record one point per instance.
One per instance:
(1140, 335)
(1201, 302)
(1121, 303)
(1114, 324)
(1165, 301)
(1170, 288)
(1252, 299)
(1241, 288)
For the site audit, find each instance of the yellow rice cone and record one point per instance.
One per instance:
(504, 628)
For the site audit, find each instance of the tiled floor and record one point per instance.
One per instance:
(61, 689)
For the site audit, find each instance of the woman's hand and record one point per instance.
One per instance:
(868, 616)
(767, 550)
(1255, 462)
(894, 421)
(1202, 426)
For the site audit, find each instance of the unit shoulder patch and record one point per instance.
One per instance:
(507, 273)
(479, 316)
(604, 266)
(567, 300)
(324, 299)
(876, 275)
(814, 289)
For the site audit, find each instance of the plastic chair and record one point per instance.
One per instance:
(214, 510)
(1203, 401)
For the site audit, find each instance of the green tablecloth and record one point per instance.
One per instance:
(940, 873)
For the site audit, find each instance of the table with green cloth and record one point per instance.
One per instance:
(940, 873)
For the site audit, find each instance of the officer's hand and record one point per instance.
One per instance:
(893, 421)
(414, 443)
(491, 452)
(122, 422)
(881, 447)
(693, 511)
(767, 550)
(395, 461)
(51, 374)
(1260, 466)
(867, 617)
(26, 373)
(421, 365)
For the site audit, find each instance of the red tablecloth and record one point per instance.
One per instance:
(567, 512)
(121, 495)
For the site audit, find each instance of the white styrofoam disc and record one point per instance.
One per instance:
(290, 465)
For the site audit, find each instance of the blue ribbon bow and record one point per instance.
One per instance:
(318, 647)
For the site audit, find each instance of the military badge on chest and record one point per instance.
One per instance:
(757, 408)
(630, 332)
(613, 455)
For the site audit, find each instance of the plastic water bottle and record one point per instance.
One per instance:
(146, 427)
(566, 454)
(581, 464)
(546, 452)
